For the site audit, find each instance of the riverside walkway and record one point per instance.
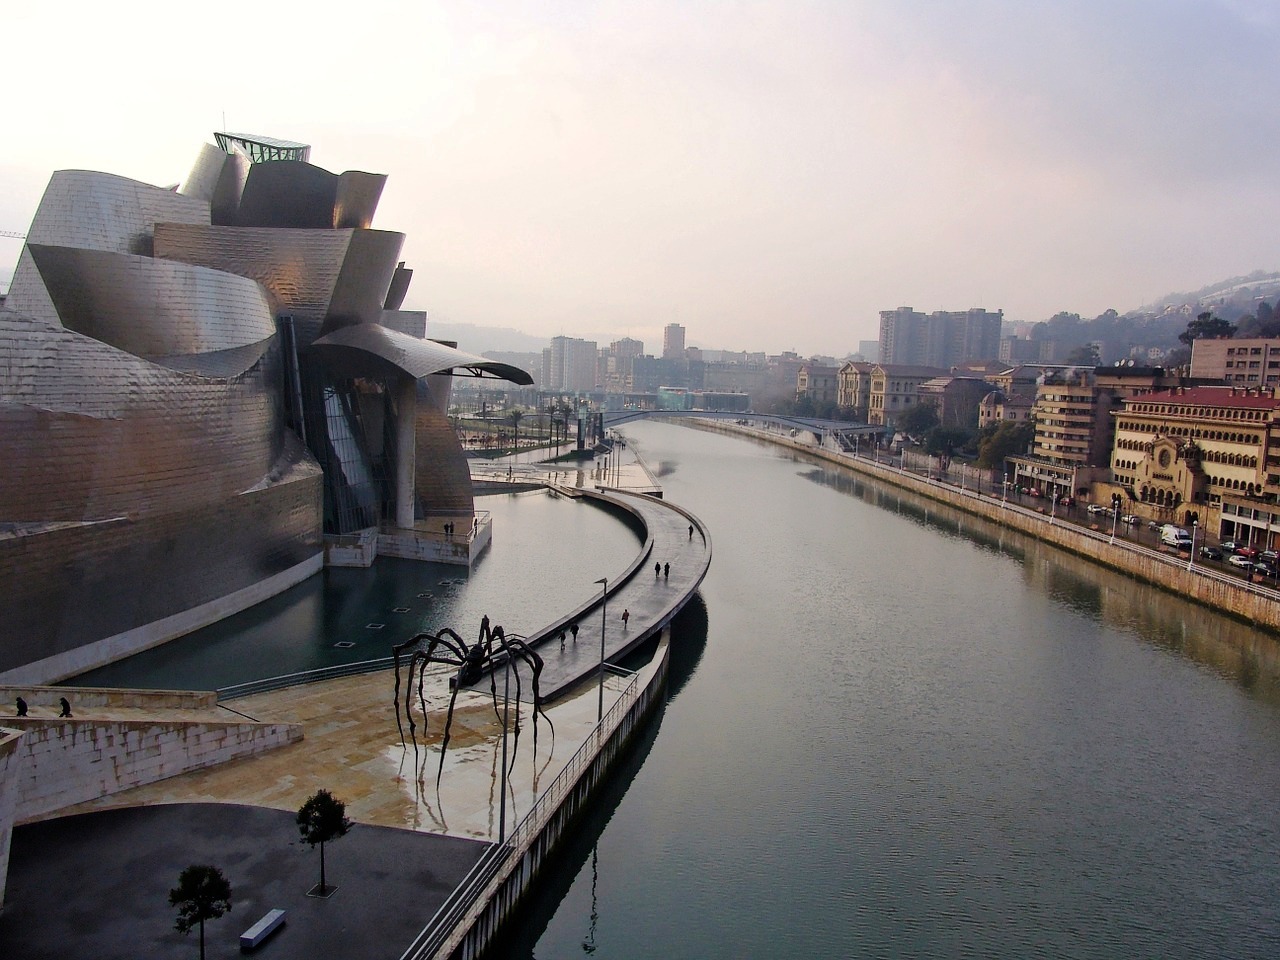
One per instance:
(677, 542)
(674, 538)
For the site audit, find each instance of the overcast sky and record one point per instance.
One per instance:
(770, 174)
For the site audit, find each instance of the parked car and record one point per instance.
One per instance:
(1131, 519)
(1098, 508)
(1154, 524)
(1211, 553)
(1269, 555)
(1231, 546)
(1266, 569)
(1238, 561)
(1250, 552)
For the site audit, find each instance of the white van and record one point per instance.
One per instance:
(1175, 536)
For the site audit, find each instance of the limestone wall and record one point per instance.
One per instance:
(59, 763)
(9, 741)
(41, 700)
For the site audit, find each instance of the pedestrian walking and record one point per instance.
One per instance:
(691, 531)
(666, 570)
(574, 630)
(562, 641)
(657, 569)
(22, 707)
(626, 615)
(66, 707)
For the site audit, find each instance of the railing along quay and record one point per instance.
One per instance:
(478, 884)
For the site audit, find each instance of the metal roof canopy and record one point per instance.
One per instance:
(355, 345)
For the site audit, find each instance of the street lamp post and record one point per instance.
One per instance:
(1192, 559)
(604, 619)
(1115, 518)
(1053, 510)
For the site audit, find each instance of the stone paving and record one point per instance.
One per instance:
(352, 748)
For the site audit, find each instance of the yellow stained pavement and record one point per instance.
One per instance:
(352, 748)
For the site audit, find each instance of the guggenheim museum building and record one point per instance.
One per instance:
(202, 390)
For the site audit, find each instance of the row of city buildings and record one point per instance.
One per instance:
(624, 374)
(1198, 445)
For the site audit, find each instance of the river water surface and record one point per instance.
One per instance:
(897, 734)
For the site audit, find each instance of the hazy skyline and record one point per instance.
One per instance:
(770, 175)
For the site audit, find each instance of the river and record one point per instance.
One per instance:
(894, 732)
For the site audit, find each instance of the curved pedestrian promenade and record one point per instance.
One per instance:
(663, 577)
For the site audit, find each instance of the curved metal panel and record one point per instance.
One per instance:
(357, 198)
(153, 308)
(96, 211)
(202, 180)
(399, 287)
(299, 267)
(370, 350)
(442, 483)
(217, 178)
(222, 364)
(288, 194)
(365, 278)
(88, 431)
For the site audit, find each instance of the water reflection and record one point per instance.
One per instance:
(1236, 650)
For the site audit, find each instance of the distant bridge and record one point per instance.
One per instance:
(839, 429)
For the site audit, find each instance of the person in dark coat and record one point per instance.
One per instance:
(66, 707)
(22, 707)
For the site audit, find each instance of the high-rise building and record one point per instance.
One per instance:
(673, 342)
(616, 363)
(939, 339)
(569, 365)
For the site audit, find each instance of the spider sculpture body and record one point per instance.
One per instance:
(495, 649)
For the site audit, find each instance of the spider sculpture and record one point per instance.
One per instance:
(493, 650)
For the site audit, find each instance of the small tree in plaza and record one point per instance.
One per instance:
(321, 819)
(202, 893)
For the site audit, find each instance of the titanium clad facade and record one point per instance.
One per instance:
(157, 380)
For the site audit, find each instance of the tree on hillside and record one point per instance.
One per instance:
(1085, 356)
(321, 819)
(1206, 327)
(1177, 357)
(202, 893)
(1264, 323)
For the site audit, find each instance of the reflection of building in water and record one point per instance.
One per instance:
(198, 385)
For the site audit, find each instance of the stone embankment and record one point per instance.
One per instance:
(1225, 593)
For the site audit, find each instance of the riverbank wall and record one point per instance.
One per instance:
(467, 925)
(1224, 593)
